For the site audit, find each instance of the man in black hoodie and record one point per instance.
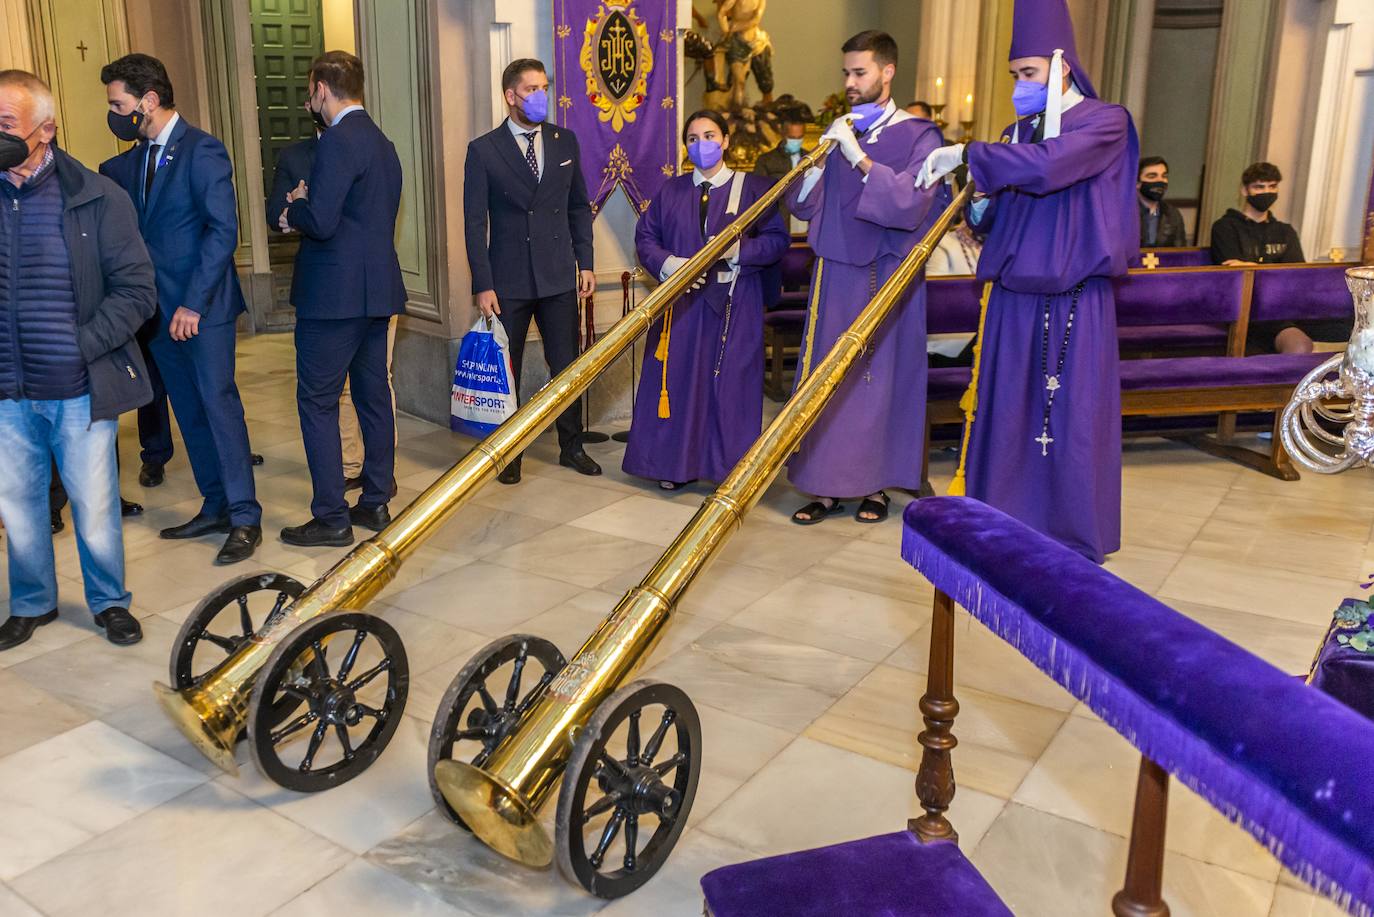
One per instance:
(75, 286)
(1251, 235)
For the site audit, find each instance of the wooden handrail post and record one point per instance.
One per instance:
(935, 778)
(1142, 895)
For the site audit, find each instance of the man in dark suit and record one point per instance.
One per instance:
(776, 163)
(181, 182)
(529, 237)
(347, 286)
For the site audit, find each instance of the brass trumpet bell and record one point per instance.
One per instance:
(496, 812)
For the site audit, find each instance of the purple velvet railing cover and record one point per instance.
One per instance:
(1168, 298)
(891, 875)
(1297, 293)
(952, 305)
(1344, 672)
(1207, 372)
(1292, 766)
(1183, 257)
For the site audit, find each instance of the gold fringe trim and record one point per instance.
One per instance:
(969, 402)
(812, 309)
(661, 354)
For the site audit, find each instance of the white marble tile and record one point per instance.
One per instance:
(717, 595)
(813, 795)
(1290, 902)
(29, 715)
(1256, 588)
(867, 566)
(484, 598)
(213, 852)
(648, 519)
(363, 812)
(676, 890)
(554, 499)
(67, 789)
(362, 889)
(11, 905)
(575, 555)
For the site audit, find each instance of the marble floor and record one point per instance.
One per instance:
(804, 651)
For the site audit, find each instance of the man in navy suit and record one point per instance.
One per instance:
(528, 223)
(347, 286)
(181, 182)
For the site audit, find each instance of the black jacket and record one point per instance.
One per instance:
(1171, 231)
(526, 239)
(293, 167)
(1235, 237)
(114, 283)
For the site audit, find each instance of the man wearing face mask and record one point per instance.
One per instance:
(782, 159)
(346, 289)
(75, 286)
(1043, 442)
(866, 213)
(1161, 225)
(181, 182)
(528, 227)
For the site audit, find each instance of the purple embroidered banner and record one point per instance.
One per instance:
(615, 85)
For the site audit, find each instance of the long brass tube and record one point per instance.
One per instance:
(500, 802)
(212, 712)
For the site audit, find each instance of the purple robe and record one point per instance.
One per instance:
(872, 431)
(1062, 213)
(715, 371)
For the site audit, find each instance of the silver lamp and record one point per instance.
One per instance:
(1340, 392)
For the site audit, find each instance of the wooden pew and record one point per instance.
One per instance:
(1292, 766)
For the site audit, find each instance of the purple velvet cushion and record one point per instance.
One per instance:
(1294, 767)
(1178, 298)
(1183, 257)
(1142, 337)
(952, 304)
(948, 383)
(785, 318)
(892, 875)
(1300, 292)
(1208, 372)
(796, 266)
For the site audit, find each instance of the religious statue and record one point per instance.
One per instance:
(743, 48)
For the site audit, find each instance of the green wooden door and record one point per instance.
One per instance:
(287, 37)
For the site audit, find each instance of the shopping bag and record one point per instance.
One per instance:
(483, 383)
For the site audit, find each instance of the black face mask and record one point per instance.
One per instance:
(1262, 202)
(13, 150)
(1154, 190)
(318, 118)
(125, 127)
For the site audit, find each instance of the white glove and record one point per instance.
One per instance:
(731, 255)
(671, 265)
(842, 132)
(940, 163)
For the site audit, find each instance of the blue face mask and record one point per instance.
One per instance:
(704, 153)
(1029, 97)
(792, 145)
(536, 106)
(865, 114)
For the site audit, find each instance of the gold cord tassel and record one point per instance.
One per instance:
(811, 316)
(661, 354)
(969, 402)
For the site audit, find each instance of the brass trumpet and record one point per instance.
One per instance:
(500, 799)
(216, 707)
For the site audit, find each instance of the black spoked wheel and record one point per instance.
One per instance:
(485, 701)
(625, 798)
(347, 673)
(225, 620)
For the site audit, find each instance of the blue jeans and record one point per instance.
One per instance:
(35, 433)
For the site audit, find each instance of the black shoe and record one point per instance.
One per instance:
(579, 461)
(242, 540)
(130, 508)
(121, 628)
(151, 474)
(200, 525)
(316, 534)
(353, 483)
(255, 458)
(57, 523)
(18, 630)
(511, 473)
(375, 518)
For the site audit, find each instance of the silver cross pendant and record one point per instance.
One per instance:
(1044, 439)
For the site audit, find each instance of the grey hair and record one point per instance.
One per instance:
(44, 105)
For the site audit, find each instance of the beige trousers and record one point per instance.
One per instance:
(349, 434)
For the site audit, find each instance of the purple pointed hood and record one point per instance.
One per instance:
(1038, 27)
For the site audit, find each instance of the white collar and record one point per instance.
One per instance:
(1071, 97)
(166, 133)
(715, 181)
(891, 115)
(519, 132)
(346, 110)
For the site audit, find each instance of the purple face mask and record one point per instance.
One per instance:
(865, 114)
(1029, 97)
(704, 153)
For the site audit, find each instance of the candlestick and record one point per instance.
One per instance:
(940, 90)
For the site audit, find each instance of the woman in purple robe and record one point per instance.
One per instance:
(1045, 438)
(700, 404)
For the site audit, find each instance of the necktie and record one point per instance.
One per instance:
(705, 206)
(530, 158)
(153, 151)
